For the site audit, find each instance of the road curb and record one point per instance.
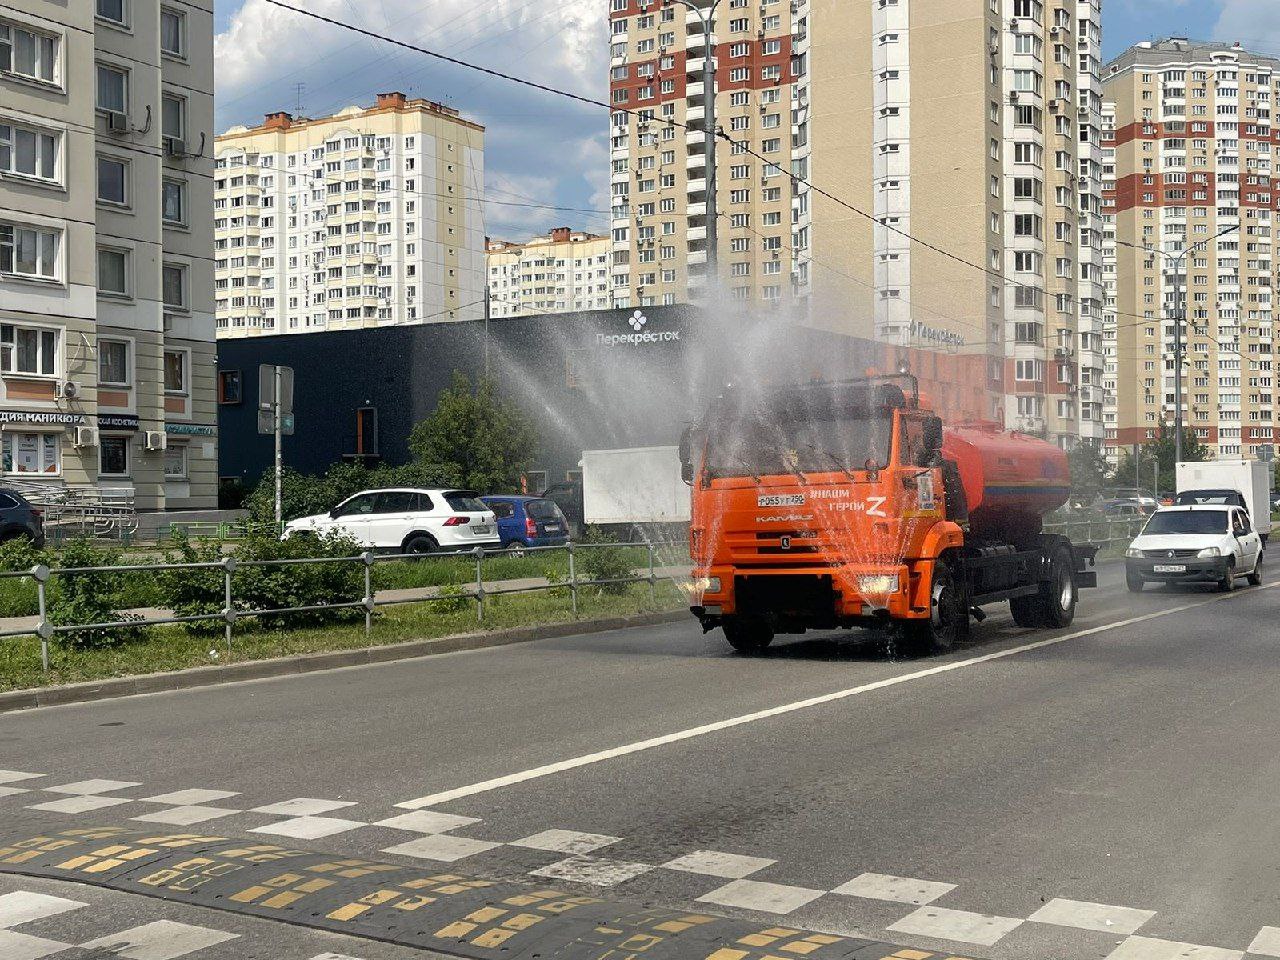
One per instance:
(92, 690)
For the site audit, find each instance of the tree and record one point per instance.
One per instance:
(1162, 452)
(1089, 471)
(484, 440)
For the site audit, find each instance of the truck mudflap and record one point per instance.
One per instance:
(1086, 555)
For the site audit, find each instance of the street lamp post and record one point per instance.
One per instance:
(1179, 317)
(707, 16)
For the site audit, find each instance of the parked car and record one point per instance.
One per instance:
(1126, 508)
(1196, 544)
(407, 520)
(528, 521)
(18, 518)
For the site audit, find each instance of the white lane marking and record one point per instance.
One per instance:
(185, 816)
(880, 886)
(310, 828)
(572, 764)
(960, 925)
(89, 787)
(13, 776)
(713, 863)
(442, 847)
(79, 804)
(565, 841)
(303, 807)
(597, 871)
(24, 906)
(1266, 943)
(1146, 948)
(426, 821)
(12, 791)
(187, 798)
(161, 940)
(19, 946)
(766, 897)
(1092, 916)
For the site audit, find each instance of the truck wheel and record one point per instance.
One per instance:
(748, 635)
(1057, 600)
(948, 619)
(1255, 578)
(1134, 582)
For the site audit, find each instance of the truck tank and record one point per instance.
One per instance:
(1010, 480)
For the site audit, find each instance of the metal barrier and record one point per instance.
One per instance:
(1115, 530)
(46, 630)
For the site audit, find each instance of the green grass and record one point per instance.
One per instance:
(446, 570)
(172, 648)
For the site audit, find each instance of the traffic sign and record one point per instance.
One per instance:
(267, 423)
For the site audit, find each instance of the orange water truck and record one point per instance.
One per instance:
(849, 504)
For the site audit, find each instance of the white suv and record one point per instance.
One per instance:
(407, 520)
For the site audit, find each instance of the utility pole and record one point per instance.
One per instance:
(279, 432)
(486, 331)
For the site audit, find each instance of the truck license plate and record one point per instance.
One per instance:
(781, 500)
(1170, 568)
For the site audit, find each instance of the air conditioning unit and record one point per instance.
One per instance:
(1054, 31)
(173, 147)
(69, 389)
(1013, 96)
(155, 440)
(117, 122)
(86, 437)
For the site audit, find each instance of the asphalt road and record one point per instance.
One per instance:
(1128, 763)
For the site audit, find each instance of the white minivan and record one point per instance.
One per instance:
(408, 520)
(1195, 544)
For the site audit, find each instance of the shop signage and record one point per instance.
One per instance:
(117, 421)
(189, 429)
(54, 417)
(923, 331)
(637, 321)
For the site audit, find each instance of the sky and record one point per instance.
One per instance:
(538, 148)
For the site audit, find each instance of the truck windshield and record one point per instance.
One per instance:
(1187, 521)
(760, 447)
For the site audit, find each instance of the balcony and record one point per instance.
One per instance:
(697, 257)
(695, 161)
(695, 234)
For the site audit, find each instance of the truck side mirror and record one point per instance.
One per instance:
(932, 437)
(686, 456)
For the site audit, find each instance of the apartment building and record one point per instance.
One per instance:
(973, 126)
(1191, 224)
(564, 270)
(106, 237)
(368, 217)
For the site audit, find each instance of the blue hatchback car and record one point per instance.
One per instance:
(528, 521)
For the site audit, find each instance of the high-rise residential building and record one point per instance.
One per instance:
(1190, 218)
(106, 240)
(371, 216)
(564, 270)
(970, 127)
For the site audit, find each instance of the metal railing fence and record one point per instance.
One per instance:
(1101, 531)
(476, 590)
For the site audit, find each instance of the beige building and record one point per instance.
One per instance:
(369, 217)
(106, 274)
(969, 125)
(1189, 190)
(564, 270)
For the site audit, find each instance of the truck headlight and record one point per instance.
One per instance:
(1209, 552)
(707, 584)
(1133, 553)
(878, 583)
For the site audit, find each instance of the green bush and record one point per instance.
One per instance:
(201, 591)
(603, 562)
(92, 597)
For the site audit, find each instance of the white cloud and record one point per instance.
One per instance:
(1255, 23)
(538, 145)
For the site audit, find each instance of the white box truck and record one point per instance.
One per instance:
(1250, 478)
(640, 485)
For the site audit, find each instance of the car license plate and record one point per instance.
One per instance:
(482, 531)
(781, 500)
(553, 528)
(1170, 568)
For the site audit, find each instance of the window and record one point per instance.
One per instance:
(175, 461)
(29, 251)
(28, 350)
(113, 272)
(113, 456)
(27, 54)
(175, 371)
(28, 152)
(173, 32)
(174, 202)
(32, 453)
(173, 117)
(114, 10)
(113, 363)
(113, 179)
(175, 286)
(113, 89)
